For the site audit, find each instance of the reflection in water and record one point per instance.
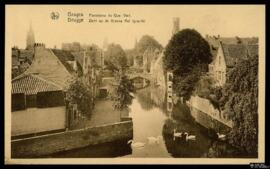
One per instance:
(151, 119)
(183, 122)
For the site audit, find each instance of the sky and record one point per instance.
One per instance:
(223, 20)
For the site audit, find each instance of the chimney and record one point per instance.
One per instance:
(38, 47)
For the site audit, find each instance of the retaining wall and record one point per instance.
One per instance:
(52, 143)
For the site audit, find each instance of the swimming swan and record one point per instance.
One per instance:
(136, 144)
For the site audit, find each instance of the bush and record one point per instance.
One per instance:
(240, 100)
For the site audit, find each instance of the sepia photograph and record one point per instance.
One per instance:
(134, 84)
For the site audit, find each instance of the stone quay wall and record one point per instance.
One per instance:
(48, 144)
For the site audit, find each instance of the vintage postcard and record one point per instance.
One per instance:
(134, 84)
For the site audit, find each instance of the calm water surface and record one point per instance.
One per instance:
(151, 119)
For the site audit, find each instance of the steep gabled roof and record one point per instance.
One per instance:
(214, 41)
(64, 57)
(235, 52)
(48, 66)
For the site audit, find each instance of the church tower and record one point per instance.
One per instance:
(176, 27)
(30, 39)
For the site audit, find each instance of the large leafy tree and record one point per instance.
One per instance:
(186, 49)
(116, 56)
(186, 55)
(240, 101)
(79, 93)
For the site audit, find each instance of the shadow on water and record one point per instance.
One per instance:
(150, 118)
(105, 150)
(182, 122)
(206, 144)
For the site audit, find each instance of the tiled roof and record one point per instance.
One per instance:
(235, 52)
(28, 54)
(214, 42)
(32, 84)
(253, 50)
(48, 66)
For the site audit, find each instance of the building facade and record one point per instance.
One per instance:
(228, 55)
(38, 94)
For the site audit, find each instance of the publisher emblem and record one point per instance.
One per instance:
(55, 15)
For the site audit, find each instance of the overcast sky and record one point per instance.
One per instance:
(226, 20)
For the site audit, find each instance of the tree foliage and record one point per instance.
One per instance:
(145, 42)
(186, 55)
(240, 100)
(122, 93)
(80, 94)
(116, 56)
(186, 49)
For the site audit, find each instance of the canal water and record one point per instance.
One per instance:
(153, 128)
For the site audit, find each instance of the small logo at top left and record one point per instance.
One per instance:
(55, 15)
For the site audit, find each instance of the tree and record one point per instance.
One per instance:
(116, 56)
(186, 55)
(80, 94)
(145, 42)
(240, 100)
(122, 93)
(186, 49)
(130, 56)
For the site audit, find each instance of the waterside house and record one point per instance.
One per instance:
(38, 104)
(228, 53)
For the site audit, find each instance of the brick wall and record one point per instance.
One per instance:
(52, 143)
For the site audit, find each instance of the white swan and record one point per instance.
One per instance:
(190, 137)
(152, 140)
(136, 144)
(176, 134)
(221, 136)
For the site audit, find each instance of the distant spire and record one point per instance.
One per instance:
(30, 39)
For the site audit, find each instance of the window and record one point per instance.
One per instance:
(18, 101)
